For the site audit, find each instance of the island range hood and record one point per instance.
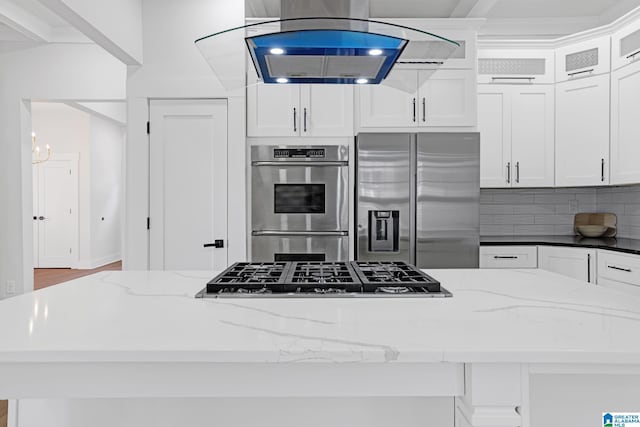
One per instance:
(319, 41)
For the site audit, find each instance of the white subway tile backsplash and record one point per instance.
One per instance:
(486, 209)
(533, 211)
(533, 230)
(551, 211)
(625, 203)
(496, 230)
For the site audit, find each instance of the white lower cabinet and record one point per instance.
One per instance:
(508, 257)
(619, 271)
(578, 263)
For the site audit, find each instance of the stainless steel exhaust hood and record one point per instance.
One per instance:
(317, 41)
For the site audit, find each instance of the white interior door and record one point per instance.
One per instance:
(188, 184)
(56, 212)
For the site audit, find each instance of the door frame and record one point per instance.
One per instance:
(74, 159)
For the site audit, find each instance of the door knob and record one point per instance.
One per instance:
(41, 218)
(215, 244)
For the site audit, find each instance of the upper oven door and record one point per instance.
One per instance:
(297, 196)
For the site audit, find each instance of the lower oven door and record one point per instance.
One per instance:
(269, 246)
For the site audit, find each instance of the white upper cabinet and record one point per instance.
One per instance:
(625, 46)
(392, 103)
(327, 110)
(582, 131)
(420, 98)
(447, 98)
(625, 125)
(588, 58)
(511, 66)
(298, 110)
(494, 125)
(532, 135)
(272, 110)
(516, 124)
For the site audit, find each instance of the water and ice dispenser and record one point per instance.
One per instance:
(384, 231)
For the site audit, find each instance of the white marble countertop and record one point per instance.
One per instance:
(522, 316)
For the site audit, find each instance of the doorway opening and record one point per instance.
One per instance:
(77, 189)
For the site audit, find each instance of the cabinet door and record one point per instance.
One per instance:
(327, 110)
(532, 136)
(272, 109)
(587, 58)
(392, 103)
(582, 131)
(508, 257)
(447, 98)
(625, 125)
(494, 125)
(573, 262)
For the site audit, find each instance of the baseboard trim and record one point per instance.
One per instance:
(98, 262)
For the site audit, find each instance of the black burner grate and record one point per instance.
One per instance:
(389, 276)
(322, 277)
(250, 276)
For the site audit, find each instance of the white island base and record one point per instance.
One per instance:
(511, 348)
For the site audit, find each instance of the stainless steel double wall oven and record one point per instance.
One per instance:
(299, 203)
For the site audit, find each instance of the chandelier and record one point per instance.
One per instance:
(35, 150)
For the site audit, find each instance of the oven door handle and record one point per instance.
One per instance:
(299, 163)
(300, 233)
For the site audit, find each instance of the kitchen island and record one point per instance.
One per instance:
(510, 348)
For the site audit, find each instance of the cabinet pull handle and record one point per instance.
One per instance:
(602, 170)
(590, 70)
(513, 78)
(505, 257)
(613, 267)
(414, 109)
(517, 172)
(589, 268)
(633, 55)
(305, 119)
(295, 119)
(508, 172)
(424, 109)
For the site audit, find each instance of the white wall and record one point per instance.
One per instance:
(106, 191)
(174, 68)
(54, 71)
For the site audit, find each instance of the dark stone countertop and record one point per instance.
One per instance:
(631, 246)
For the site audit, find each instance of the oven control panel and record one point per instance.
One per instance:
(298, 153)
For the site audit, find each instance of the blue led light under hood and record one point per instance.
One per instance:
(324, 56)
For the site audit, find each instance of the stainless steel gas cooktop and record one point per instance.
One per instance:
(377, 279)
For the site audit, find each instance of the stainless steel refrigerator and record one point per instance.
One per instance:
(418, 198)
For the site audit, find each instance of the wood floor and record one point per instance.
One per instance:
(44, 277)
(3, 413)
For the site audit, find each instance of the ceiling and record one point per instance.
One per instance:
(547, 18)
(26, 23)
